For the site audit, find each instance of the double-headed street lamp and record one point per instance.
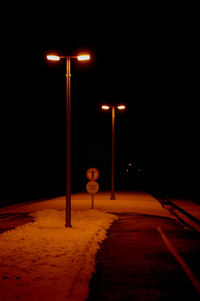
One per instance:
(68, 127)
(113, 107)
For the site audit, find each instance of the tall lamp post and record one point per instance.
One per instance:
(68, 128)
(113, 107)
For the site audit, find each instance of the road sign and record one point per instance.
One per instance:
(92, 187)
(92, 174)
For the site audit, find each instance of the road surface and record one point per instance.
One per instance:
(135, 263)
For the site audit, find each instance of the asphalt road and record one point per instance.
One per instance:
(136, 263)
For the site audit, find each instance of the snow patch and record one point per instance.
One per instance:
(46, 261)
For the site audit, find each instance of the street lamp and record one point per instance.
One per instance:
(82, 57)
(113, 107)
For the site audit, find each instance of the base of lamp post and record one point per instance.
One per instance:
(112, 197)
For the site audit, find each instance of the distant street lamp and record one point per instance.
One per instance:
(53, 57)
(119, 107)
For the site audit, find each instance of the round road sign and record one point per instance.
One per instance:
(92, 187)
(92, 174)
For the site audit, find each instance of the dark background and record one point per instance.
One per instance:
(144, 57)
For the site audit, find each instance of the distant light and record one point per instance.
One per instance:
(84, 57)
(53, 57)
(121, 107)
(105, 107)
(129, 164)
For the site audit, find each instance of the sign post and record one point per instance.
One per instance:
(92, 186)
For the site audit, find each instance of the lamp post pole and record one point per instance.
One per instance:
(112, 197)
(53, 57)
(68, 143)
(113, 107)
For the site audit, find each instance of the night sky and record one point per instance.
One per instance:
(143, 57)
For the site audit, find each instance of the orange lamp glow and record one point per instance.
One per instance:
(121, 107)
(53, 57)
(105, 107)
(83, 57)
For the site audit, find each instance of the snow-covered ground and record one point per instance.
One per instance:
(46, 261)
(138, 202)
